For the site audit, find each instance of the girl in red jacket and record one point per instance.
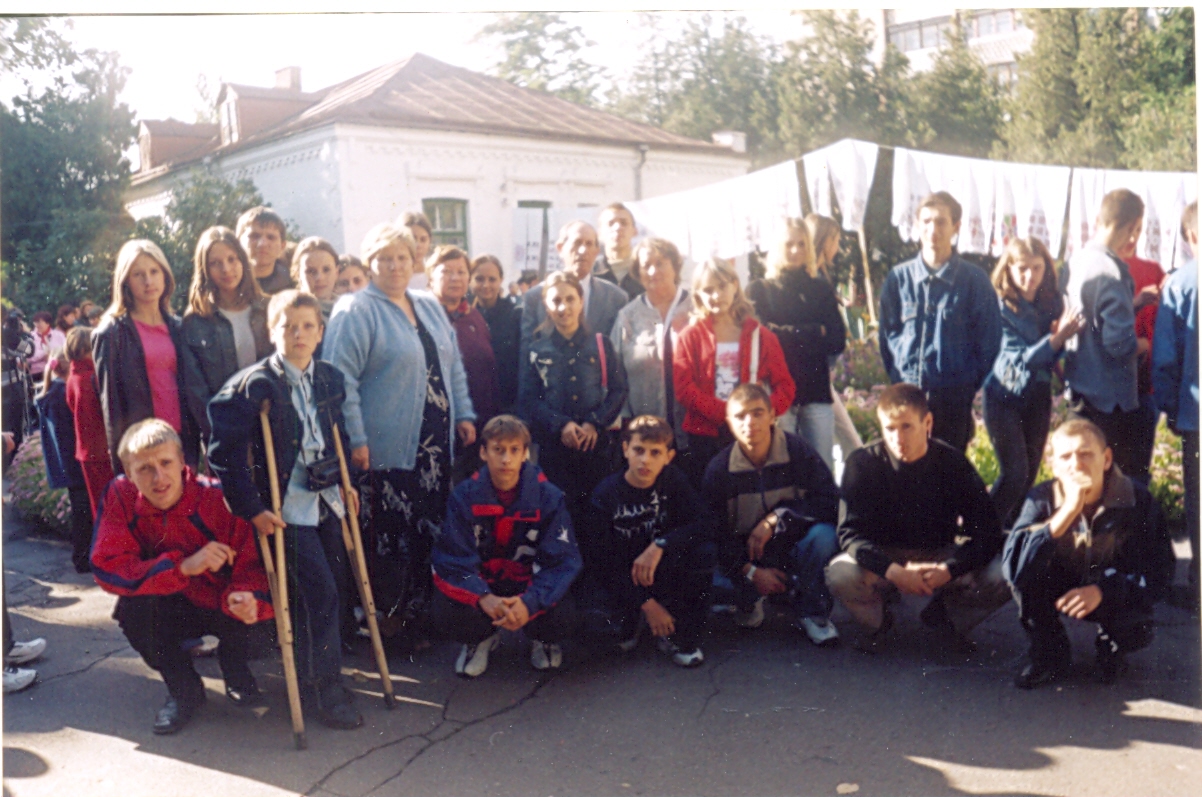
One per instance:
(721, 347)
(91, 444)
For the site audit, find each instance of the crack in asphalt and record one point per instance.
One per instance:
(426, 737)
(104, 657)
(713, 676)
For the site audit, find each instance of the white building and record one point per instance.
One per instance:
(466, 148)
(996, 35)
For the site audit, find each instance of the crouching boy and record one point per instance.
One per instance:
(183, 567)
(305, 398)
(506, 556)
(1091, 545)
(661, 552)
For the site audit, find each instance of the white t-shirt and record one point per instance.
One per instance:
(244, 337)
(726, 370)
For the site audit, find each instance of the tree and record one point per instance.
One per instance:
(1106, 87)
(957, 103)
(542, 51)
(63, 172)
(200, 200)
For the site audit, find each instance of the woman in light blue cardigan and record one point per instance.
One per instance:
(405, 391)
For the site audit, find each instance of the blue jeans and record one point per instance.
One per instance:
(1018, 428)
(804, 562)
(815, 423)
(313, 598)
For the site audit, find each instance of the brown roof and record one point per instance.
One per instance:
(174, 127)
(422, 92)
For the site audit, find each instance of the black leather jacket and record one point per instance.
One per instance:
(234, 418)
(124, 385)
(210, 358)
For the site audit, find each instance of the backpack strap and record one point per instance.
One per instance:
(753, 374)
(604, 366)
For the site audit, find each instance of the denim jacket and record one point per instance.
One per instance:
(1175, 349)
(1027, 355)
(939, 330)
(561, 382)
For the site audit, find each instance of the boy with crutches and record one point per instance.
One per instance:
(304, 404)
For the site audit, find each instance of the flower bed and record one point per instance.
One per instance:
(30, 492)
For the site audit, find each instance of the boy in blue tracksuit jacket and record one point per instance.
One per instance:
(506, 556)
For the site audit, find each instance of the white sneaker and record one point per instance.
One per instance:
(627, 645)
(473, 659)
(545, 655)
(820, 630)
(25, 652)
(681, 658)
(16, 679)
(753, 618)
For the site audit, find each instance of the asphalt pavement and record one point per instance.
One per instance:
(767, 714)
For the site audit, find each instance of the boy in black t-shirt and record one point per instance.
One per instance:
(660, 549)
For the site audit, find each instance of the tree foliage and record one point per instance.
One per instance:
(542, 51)
(1106, 87)
(200, 200)
(957, 105)
(63, 173)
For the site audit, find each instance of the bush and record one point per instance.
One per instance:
(860, 367)
(31, 493)
(1168, 478)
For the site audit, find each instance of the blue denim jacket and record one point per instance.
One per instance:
(1026, 356)
(939, 330)
(1175, 348)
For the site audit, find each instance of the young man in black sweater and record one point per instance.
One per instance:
(661, 553)
(906, 501)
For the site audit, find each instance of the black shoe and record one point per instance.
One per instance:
(174, 715)
(336, 708)
(1034, 675)
(935, 617)
(875, 642)
(246, 696)
(1110, 658)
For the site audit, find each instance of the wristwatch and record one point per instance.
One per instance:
(750, 575)
(662, 542)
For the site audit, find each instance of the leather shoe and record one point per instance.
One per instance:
(935, 617)
(336, 709)
(1034, 675)
(173, 716)
(244, 696)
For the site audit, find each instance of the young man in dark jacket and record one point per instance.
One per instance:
(183, 566)
(305, 398)
(659, 543)
(906, 500)
(506, 556)
(1092, 545)
(776, 504)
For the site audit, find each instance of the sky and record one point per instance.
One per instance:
(167, 54)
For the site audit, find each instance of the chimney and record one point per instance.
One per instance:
(288, 78)
(735, 140)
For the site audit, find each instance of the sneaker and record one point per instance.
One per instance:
(202, 647)
(545, 655)
(25, 652)
(820, 630)
(627, 645)
(753, 618)
(16, 679)
(1034, 675)
(681, 658)
(473, 659)
(1110, 658)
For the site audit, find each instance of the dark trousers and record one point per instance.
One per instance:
(577, 473)
(467, 624)
(1189, 463)
(1045, 580)
(8, 628)
(1121, 430)
(155, 625)
(952, 411)
(1018, 427)
(315, 555)
(682, 586)
(1143, 439)
(702, 449)
(81, 527)
(803, 558)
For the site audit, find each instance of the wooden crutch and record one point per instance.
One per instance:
(277, 580)
(353, 540)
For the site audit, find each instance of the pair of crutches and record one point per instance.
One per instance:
(277, 580)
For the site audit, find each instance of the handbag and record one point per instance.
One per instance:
(323, 474)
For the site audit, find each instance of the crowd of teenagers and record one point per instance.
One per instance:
(601, 457)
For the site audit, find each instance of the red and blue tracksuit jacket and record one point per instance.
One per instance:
(528, 549)
(137, 549)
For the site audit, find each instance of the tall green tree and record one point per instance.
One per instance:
(1106, 87)
(63, 172)
(543, 51)
(957, 104)
(199, 200)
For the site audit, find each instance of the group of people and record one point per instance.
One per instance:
(684, 439)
